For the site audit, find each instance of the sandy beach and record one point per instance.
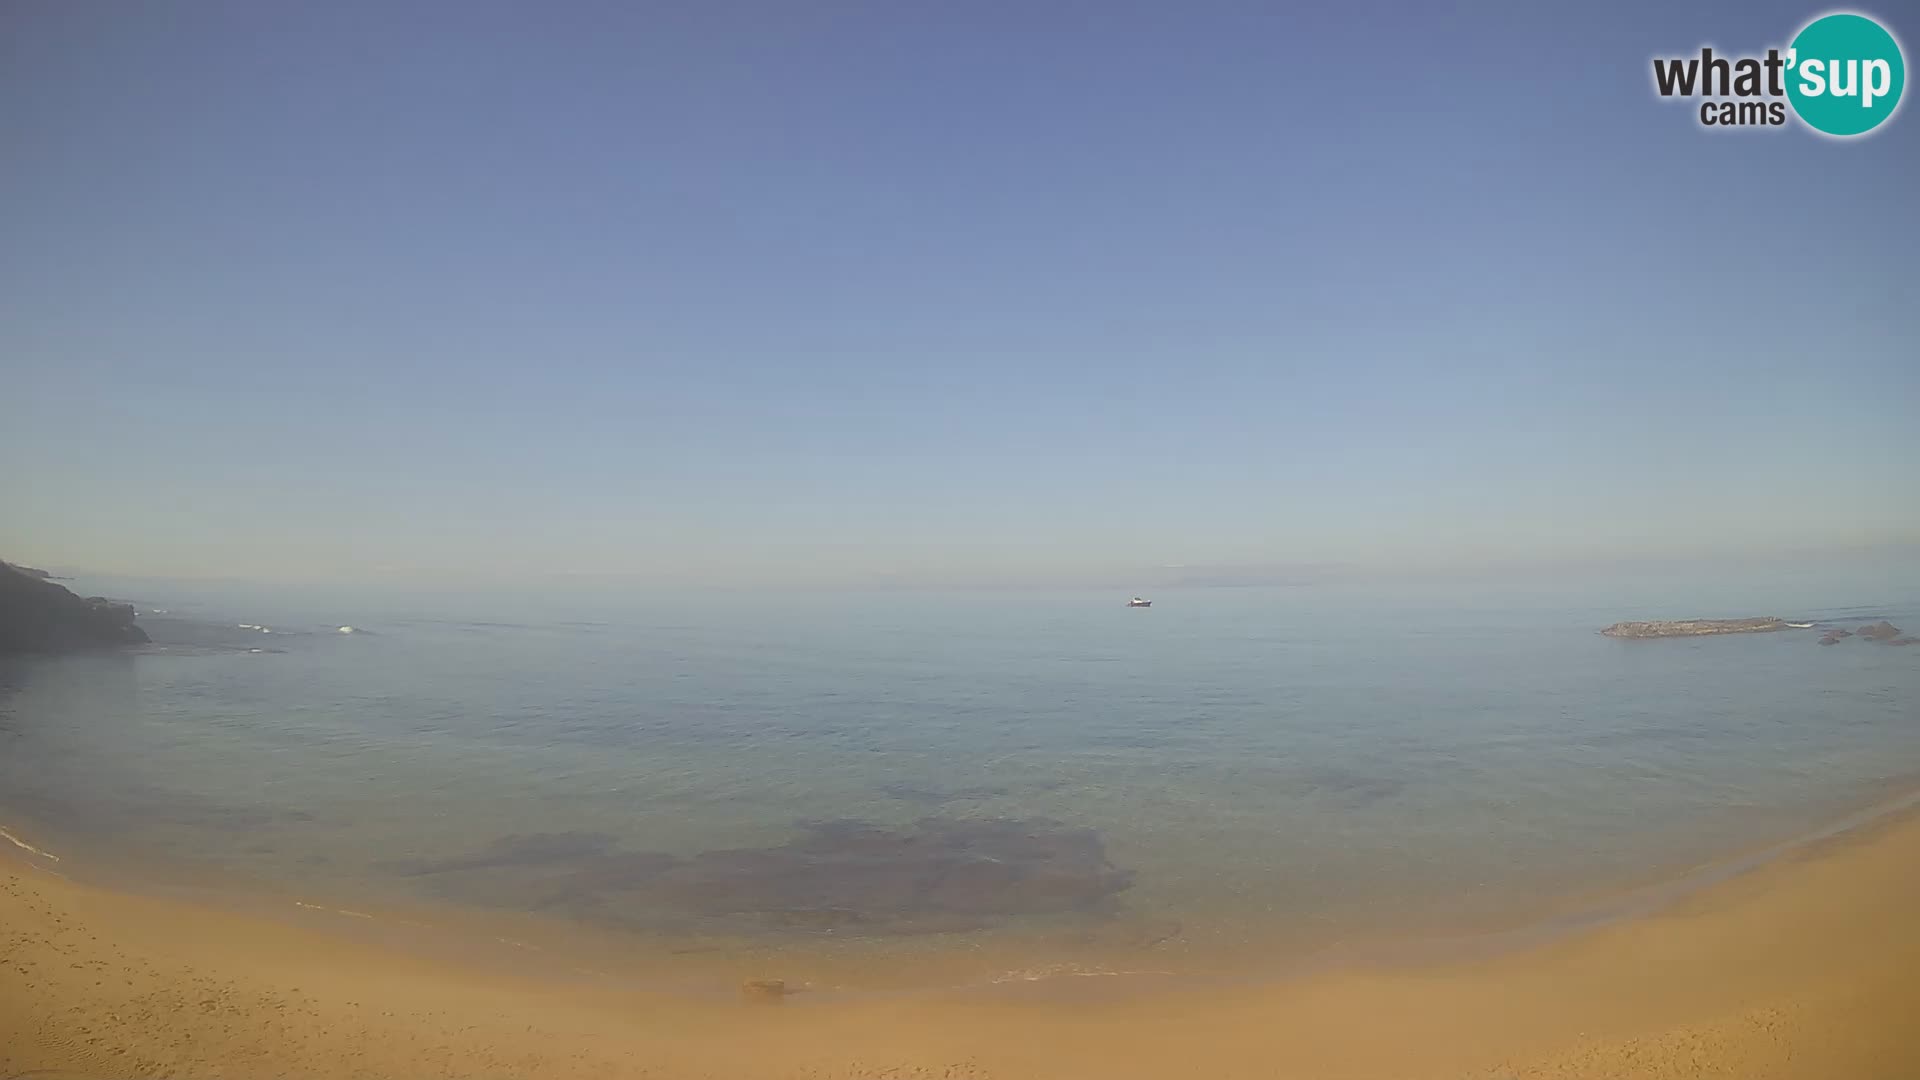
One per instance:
(1801, 968)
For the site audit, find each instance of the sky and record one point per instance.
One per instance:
(909, 292)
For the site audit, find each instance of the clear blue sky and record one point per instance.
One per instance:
(994, 291)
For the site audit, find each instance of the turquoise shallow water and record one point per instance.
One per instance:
(1232, 762)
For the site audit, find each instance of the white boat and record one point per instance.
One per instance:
(1137, 602)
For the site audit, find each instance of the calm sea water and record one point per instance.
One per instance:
(1229, 762)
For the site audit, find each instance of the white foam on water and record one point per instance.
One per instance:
(1064, 971)
(24, 846)
(334, 910)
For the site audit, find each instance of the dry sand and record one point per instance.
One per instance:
(1807, 967)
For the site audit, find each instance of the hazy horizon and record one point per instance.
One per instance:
(1869, 574)
(766, 296)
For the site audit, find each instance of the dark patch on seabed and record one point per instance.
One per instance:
(929, 796)
(939, 875)
(1346, 787)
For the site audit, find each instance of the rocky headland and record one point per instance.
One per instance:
(38, 616)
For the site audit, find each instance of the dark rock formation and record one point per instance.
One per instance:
(1829, 640)
(1880, 631)
(38, 616)
(31, 572)
(1693, 627)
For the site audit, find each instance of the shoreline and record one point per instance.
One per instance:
(703, 965)
(1798, 966)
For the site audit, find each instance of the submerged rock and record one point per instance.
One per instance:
(1880, 631)
(1829, 640)
(1905, 641)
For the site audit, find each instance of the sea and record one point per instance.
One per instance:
(1022, 782)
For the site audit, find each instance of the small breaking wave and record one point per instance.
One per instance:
(1065, 971)
(26, 847)
(332, 910)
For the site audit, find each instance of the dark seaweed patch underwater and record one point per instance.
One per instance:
(941, 874)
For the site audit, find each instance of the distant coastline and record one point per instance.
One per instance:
(1882, 632)
(1694, 627)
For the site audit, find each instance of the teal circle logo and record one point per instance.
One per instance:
(1845, 74)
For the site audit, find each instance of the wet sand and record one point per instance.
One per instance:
(1800, 968)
